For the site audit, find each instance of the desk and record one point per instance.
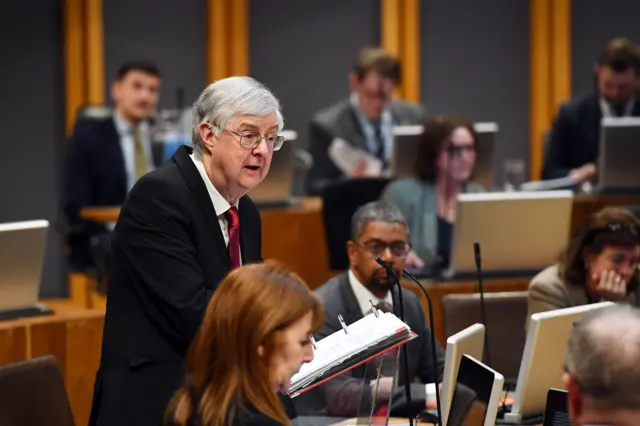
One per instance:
(73, 335)
(295, 235)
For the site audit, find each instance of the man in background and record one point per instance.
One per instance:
(602, 370)
(364, 121)
(106, 155)
(573, 144)
(379, 230)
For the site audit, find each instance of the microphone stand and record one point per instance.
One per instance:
(433, 345)
(483, 311)
(391, 277)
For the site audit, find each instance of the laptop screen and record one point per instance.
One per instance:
(471, 395)
(556, 412)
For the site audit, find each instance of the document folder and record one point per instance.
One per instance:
(350, 347)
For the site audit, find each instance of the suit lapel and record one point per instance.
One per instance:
(113, 139)
(594, 119)
(195, 183)
(352, 308)
(249, 249)
(353, 130)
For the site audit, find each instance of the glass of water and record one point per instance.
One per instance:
(514, 174)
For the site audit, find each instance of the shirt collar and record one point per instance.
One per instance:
(220, 205)
(605, 108)
(124, 126)
(364, 295)
(385, 118)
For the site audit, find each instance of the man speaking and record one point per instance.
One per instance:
(182, 228)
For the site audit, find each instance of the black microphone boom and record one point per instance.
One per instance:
(483, 312)
(434, 356)
(391, 277)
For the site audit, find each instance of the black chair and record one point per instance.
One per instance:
(32, 393)
(339, 202)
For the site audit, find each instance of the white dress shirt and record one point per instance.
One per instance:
(128, 147)
(363, 295)
(606, 108)
(386, 123)
(220, 205)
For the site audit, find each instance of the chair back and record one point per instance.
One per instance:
(340, 201)
(506, 316)
(32, 393)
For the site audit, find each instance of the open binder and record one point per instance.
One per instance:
(353, 345)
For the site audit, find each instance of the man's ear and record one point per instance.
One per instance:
(261, 350)
(351, 251)
(207, 135)
(575, 399)
(353, 80)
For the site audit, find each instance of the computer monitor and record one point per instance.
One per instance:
(556, 411)
(276, 188)
(22, 248)
(405, 145)
(618, 170)
(543, 358)
(469, 341)
(519, 232)
(476, 396)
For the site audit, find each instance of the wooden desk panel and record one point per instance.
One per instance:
(73, 335)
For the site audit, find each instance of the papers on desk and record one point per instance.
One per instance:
(349, 347)
(348, 158)
(548, 185)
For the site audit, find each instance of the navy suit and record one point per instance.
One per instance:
(574, 139)
(93, 175)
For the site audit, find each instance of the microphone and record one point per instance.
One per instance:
(392, 278)
(434, 356)
(483, 312)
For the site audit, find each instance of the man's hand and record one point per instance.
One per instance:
(359, 171)
(385, 387)
(586, 173)
(611, 286)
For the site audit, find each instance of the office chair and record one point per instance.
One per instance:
(32, 393)
(340, 201)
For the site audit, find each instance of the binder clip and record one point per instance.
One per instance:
(344, 326)
(313, 342)
(374, 310)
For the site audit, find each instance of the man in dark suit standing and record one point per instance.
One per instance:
(106, 155)
(378, 230)
(365, 120)
(573, 144)
(182, 228)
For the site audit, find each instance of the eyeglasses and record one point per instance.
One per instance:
(376, 248)
(457, 150)
(250, 140)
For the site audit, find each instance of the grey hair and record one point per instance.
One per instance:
(224, 99)
(376, 211)
(602, 357)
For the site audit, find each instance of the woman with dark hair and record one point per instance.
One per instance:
(444, 165)
(601, 263)
(254, 337)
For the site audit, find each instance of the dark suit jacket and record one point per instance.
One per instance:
(342, 394)
(93, 175)
(341, 121)
(168, 256)
(574, 139)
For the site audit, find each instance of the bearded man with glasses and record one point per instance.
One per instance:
(183, 227)
(378, 230)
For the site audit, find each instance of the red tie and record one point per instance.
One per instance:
(233, 224)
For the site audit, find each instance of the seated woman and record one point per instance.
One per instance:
(253, 339)
(601, 263)
(444, 165)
